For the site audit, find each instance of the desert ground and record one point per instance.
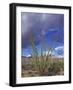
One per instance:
(50, 67)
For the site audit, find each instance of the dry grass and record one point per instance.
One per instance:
(42, 67)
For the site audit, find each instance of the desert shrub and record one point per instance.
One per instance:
(56, 67)
(41, 65)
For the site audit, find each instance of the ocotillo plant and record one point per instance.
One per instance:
(40, 63)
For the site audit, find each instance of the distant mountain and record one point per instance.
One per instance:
(28, 56)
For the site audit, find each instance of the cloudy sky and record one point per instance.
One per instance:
(48, 28)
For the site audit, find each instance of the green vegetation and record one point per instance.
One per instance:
(56, 67)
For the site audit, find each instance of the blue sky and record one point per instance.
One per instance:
(46, 28)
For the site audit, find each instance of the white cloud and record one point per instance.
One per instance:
(28, 55)
(59, 51)
(59, 48)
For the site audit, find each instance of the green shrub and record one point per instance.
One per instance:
(56, 67)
